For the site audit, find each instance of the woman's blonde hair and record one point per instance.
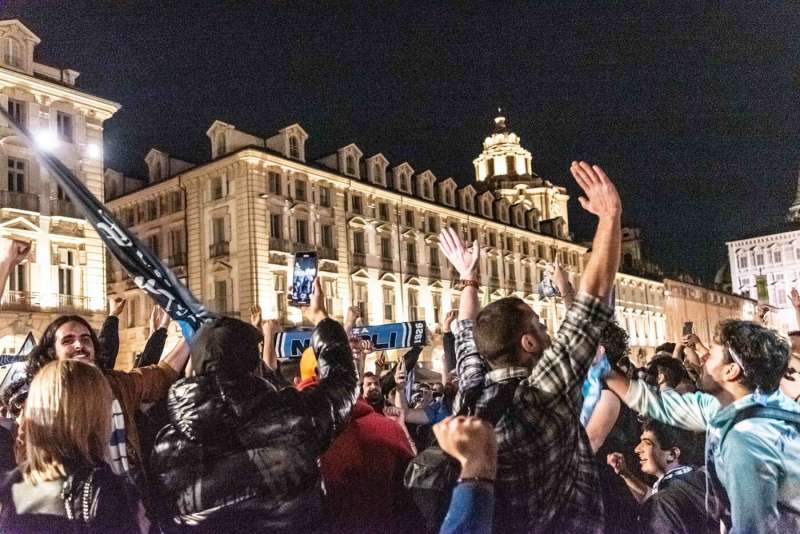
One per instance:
(66, 421)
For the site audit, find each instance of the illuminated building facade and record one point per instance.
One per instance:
(66, 269)
(229, 227)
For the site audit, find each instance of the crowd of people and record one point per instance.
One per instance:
(523, 432)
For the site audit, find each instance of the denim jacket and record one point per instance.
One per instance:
(759, 462)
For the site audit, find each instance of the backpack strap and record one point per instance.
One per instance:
(497, 407)
(767, 412)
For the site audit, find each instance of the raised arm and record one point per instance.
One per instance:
(471, 366)
(109, 334)
(794, 298)
(12, 253)
(636, 486)
(691, 411)
(603, 201)
(564, 286)
(466, 262)
(159, 321)
(332, 400)
(562, 368)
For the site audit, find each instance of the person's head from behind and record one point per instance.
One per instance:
(666, 347)
(662, 447)
(744, 356)
(14, 397)
(371, 388)
(69, 337)
(794, 341)
(508, 333)
(665, 372)
(227, 347)
(66, 422)
(614, 341)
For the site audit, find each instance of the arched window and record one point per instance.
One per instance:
(220, 144)
(294, 147)
(351, 165)
(12, 55)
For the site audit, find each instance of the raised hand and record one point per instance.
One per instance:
(353, 313)
(602, 198)
(395, 414)
(617, 462)
(451, 316)
(315, 312)
(464, 260)
(255, 316)
(12, 252)
(561, 279)
(118, 306)
(400, 374)
(794, 298)
(158, 318)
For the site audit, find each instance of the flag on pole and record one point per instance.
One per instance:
(144, 267)
(761, 288)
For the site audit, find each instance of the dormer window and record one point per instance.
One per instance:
(294, 147)
(350, 166)
(376, 169)
(12, 55)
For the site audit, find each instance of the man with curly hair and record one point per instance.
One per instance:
(752, 429)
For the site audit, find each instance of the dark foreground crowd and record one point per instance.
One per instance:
(524, 433)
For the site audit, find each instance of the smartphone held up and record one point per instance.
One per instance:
(305, 272)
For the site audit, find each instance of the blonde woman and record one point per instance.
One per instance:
(64, 483)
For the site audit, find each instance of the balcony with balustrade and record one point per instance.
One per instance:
(20, 201)
(20, 301)
(219, 249)
(63, 207)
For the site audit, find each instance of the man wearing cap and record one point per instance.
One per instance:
(754, 461)
(241, 455)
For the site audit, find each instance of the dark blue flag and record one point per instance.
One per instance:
(146, 270)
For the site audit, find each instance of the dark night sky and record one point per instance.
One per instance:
(694, 110)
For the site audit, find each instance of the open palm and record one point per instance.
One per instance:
(602, 198)
(465, 260)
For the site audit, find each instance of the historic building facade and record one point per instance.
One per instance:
(66, 269)
(229, 227)
(705, 307)
(765, 266)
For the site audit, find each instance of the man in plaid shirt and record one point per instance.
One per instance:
(512, 374)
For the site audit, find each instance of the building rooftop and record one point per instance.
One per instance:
(772, 229)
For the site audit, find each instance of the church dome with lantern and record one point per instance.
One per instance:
(503, 158)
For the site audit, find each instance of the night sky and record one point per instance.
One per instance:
(694, 110)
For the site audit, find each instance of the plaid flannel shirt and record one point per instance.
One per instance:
(546, 479)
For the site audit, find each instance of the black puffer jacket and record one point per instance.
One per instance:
(242, 456)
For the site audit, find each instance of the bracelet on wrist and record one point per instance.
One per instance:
(476, 479)
(466, 283)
